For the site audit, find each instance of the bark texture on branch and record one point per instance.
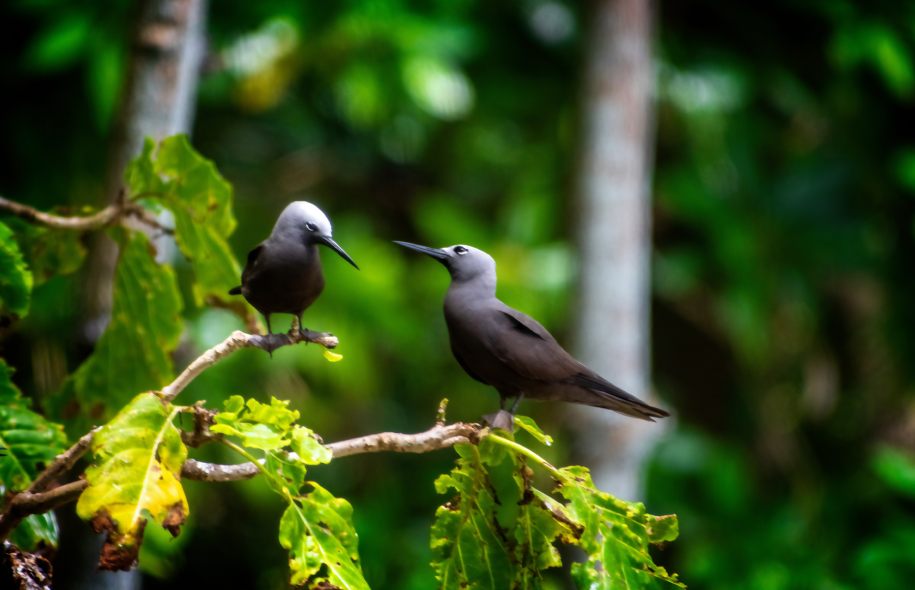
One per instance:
(440, 436)
(238, 340)
(119, 210)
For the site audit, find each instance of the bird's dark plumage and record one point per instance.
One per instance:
(511, 351)
(283, 273)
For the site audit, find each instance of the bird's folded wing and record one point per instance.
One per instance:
(525, 347)
(251, 264)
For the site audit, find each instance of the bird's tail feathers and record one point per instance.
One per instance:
(235, 290)
(611, 397)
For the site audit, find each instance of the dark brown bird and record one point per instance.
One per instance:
(283, 273)
(511, 351)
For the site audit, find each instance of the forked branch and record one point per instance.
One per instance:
(113, 213)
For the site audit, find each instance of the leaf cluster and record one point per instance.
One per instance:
(500, 531)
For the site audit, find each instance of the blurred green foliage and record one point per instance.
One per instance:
(783, 222)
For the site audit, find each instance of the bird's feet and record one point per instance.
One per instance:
(268, 342)
(297, 330)
(502, 420)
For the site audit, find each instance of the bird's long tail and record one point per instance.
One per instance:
(603, 394)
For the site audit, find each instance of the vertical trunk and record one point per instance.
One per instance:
(157, 100)
(614, 234)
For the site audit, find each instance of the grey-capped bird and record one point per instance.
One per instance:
(504, 348)
(283, 273)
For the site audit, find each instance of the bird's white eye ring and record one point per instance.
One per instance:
(460, 250)
(311, 227)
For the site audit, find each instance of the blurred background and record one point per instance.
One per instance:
(758, 159)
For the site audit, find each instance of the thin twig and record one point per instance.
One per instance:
(216, 472)
(14, 511)
(26, 503)
(110, 215)
(235, 341)
(62, 463)
(97, 220)
(440, 436)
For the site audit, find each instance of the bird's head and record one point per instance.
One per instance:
(465, 263)
(303, 221)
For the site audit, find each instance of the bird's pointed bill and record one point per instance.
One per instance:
(436, 253)
(329, 241)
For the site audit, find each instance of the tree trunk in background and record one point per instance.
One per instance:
(159, 95)
(614, 235)
(157, 101)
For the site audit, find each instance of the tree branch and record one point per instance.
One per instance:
(110, 215)
(32, 500)
(236, 341)
(62, 463)
(440, 436)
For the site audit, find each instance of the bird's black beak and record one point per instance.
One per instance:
(330, 243)
(437, 253)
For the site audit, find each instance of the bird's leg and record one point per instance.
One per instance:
(515, 405)
(501, 419)
(267, 339)
(297, 322)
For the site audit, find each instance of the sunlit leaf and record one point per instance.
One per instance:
(615, 535)
(269, 427)
(135, 474)
(492, 534)
(332, 357)
(317, 529)
(528, 425)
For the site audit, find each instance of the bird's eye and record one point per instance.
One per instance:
(311, 227)
(460, 250)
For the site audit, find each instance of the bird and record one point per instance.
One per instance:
(283, 273)
(512, 352)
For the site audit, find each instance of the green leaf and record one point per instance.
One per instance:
(29, 443)
(135, 475)
(48, 252)
(176, 176)
(317, 529)
(501, 532)
(270, 427)
(492, 534)
(134, 353)
(896, 469)
(15, 277)
(615, 535)
(61, 43)
(528, 425)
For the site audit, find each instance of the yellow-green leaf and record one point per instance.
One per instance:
(135, 474)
